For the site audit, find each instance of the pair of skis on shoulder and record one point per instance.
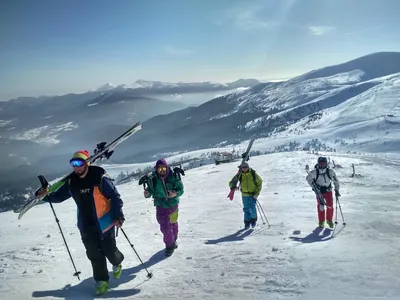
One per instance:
(102, 151)
(245, 157)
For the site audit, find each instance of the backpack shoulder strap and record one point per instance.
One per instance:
(153, 180)
(238, 179)
(253, 173)
(316, 177)
(327, 173)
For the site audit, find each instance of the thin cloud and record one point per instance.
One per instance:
(247, 18)
(177, 51)
(321, 30)
(363, 30)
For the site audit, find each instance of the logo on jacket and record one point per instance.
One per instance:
(85, 191)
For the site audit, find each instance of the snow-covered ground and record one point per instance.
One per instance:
(215, 258)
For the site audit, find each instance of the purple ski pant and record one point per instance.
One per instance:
(168, 220)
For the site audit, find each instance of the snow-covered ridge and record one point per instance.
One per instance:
(149, 84)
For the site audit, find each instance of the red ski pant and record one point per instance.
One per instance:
(329, 211)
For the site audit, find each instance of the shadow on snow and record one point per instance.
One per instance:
(85, 289)
(234, 237)
(315, 236)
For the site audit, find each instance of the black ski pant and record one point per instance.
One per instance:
(99, 249)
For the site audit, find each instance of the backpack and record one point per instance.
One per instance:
(327, 173)
(253, 174)
(177, 172)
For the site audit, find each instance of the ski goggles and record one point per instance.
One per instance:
(77, 162)
(162, 168)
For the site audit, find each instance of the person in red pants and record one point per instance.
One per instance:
(324, 176)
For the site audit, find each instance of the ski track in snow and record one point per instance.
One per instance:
(215, 258)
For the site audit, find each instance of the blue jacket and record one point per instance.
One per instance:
(97, 199)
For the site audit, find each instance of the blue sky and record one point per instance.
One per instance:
(55, 47)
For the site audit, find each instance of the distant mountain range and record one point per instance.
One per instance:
(354, 104)
(38, 133)
(180, 87)
(351, 106)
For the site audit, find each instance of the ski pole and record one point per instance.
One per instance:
(149, 274)
(340, 207)
(262, 211)
(259, 211)
(65, 242)
(336, 212)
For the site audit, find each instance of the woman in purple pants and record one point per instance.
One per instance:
(165, 187)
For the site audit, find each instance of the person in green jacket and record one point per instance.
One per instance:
(165, 187)
(250, 186)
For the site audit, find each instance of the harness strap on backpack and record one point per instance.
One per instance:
(327, 173)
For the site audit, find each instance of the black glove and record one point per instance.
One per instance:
(337, 194)
(119, 221)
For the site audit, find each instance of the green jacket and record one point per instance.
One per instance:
(157, 190)
(250, 182)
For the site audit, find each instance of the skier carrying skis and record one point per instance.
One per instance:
(250, 186)
(99, 211)
(165, 187)
(323, 177)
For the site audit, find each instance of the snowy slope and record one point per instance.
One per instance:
(367, 121)
(215, 260)
(347, 107)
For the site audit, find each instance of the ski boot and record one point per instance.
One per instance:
(101, 287)
(330, 224)
(246, 225)
(170, 250)
(321, 224)
(117, 270)
(253, 222)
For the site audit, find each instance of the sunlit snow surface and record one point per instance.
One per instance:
(215, 259)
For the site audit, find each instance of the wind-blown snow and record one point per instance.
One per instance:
(215, 260)
(5, 122)
(45, 134)
(105, 87)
